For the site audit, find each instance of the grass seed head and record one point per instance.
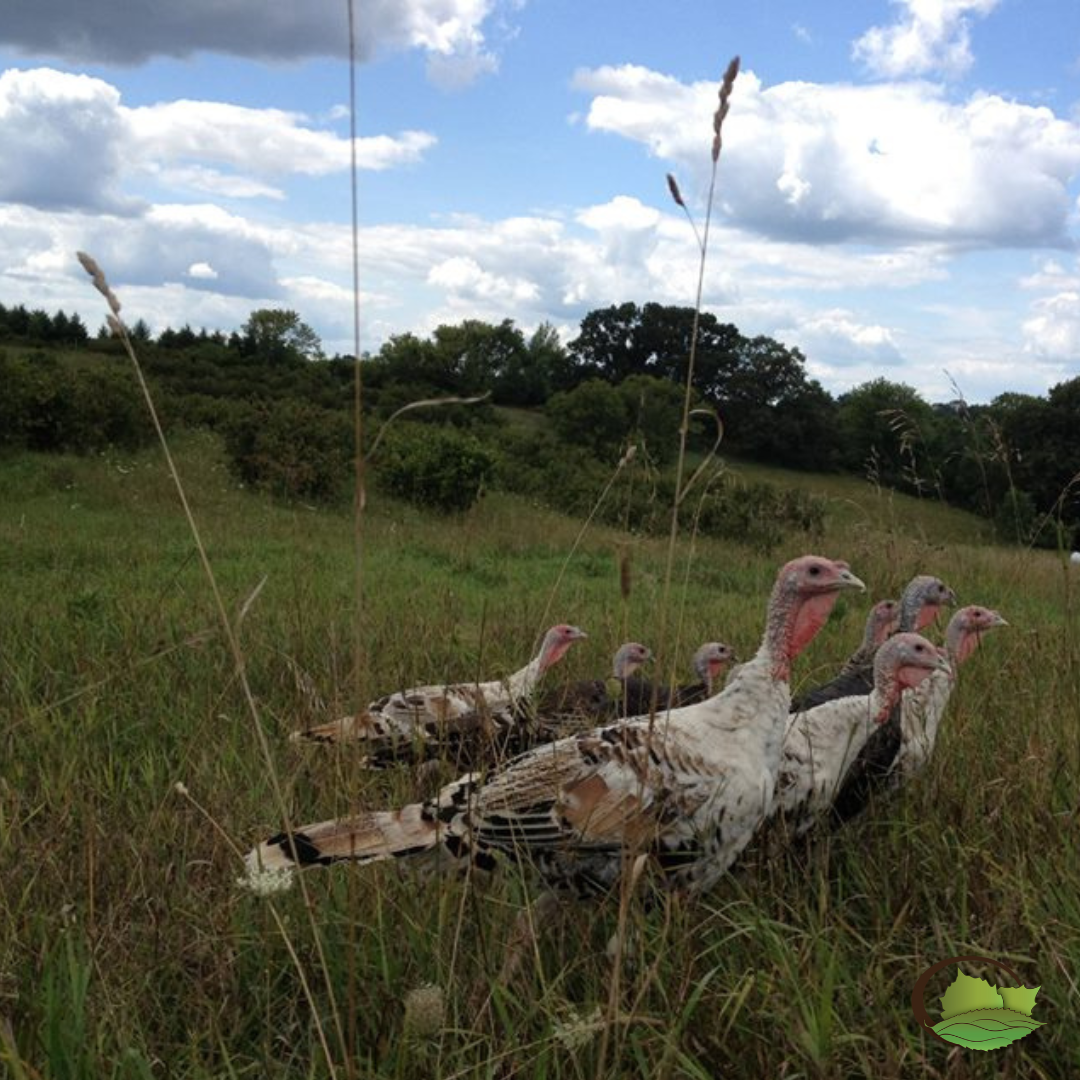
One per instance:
(726, 86)
(673, 187)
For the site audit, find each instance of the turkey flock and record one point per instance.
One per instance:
(581, 781)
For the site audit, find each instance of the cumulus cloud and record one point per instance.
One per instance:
(930, 37)
(126, 32)
(76, 140)
(463, 276)
(263, 141)
(840, 339)
(1053, 330)
(69, 133)
(872, 164)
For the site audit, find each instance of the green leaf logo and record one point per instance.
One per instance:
(982, 1017)
(1019, 998)
(966, 994)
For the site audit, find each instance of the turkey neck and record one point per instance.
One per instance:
(523, 682)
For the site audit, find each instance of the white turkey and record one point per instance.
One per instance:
(687, 789)
(823, 742)
(434, 712)
(921, 711)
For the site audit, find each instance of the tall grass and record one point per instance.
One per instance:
(119, 908)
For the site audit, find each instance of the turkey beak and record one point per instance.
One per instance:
(576, 634)
(847, 580)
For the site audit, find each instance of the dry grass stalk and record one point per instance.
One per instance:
(625, 575)
(726, 87)
(101, 283)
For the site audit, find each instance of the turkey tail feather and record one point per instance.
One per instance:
(368, 837)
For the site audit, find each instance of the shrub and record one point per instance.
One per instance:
(567, 479)
(593, 416)
(292, 449)
(66, 406)
(438, 468)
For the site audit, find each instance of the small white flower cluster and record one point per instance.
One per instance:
(577, 1031)
(425, 1010)
(265, 881)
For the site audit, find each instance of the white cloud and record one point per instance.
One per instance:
(77, 143)
(873, 164)
(68, 132)
(263, 141)
(206, 181)
(931, 36)
(462, 278)
(202, 270)
(841, 350)
(1053, 276)
(1053, 330)
(838, 329)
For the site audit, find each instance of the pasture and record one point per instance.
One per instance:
(128, 950)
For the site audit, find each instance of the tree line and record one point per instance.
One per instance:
(620, 379)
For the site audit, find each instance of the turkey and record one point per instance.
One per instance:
(484, 737)
(594, 699)
(822, 742)
(883, 620)
(920, 602)
(688, 789)
(708, 662)
(922, 710)
(431, 712)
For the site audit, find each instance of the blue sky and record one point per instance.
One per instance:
(898, 194)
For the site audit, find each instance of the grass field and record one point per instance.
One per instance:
(128, 950)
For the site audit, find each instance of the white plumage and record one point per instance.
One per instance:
(922, 709)
(822, 743)
(430, 712)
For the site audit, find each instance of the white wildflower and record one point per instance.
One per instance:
(265, 880)
(576, 1030)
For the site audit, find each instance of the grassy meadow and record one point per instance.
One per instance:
(128, 950)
